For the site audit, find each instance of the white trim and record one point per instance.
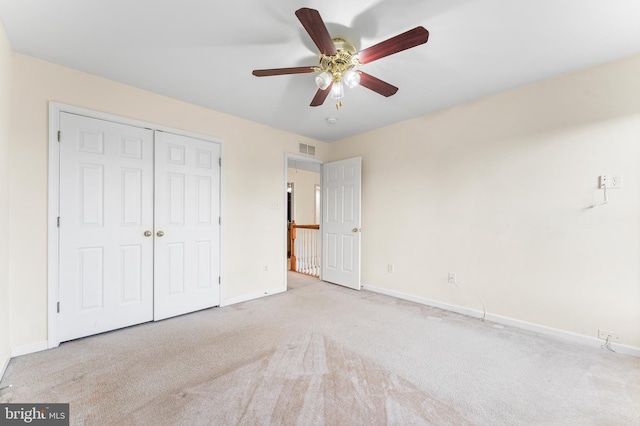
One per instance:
(222, 220)
(253, 296)
(60, 107)
(511, 322)
(317, 208)
(287, 157)
(52, 228)
(55, 108)
(5, 363)
(43, 345)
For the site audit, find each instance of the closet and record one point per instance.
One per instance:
(138, 225)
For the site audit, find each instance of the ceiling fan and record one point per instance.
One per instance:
(339, 58)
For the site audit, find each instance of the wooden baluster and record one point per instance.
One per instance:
(293, 246)
(310, 260)
(313, 252)
(317, 253)
(304, 252)
(303, 256)
(316, 263)
(300, 250)
(310, 252)
(301, 245)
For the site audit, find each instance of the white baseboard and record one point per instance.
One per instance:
(4, 363)
(246, 298)
(30, 348)
(511, 322)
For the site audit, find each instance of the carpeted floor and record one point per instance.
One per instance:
(323, 354)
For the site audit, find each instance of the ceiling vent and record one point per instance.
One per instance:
(307, 149)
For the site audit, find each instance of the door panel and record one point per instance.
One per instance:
(106, 205)
(131, 266)
(341, 222)
(186, 213)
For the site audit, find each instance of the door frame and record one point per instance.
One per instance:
(55, 109)
(301, 158)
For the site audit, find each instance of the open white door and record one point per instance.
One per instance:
(341, 182)
(187, 229)
(106, 218)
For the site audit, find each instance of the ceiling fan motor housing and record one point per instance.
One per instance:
(343, 61)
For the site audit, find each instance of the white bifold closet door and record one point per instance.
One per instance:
(187, 212)
(125, 258)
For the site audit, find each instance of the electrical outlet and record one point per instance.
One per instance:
(611, 181)
(451, 278)
(615, 181)
(613, 337)
(266, 268)
(390, 268)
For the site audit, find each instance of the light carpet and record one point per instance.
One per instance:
(321, 354)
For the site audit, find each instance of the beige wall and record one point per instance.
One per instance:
(304, 194)
(6, 57)
(499, 192)
(249, 150)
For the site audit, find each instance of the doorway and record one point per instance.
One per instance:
(302, 199)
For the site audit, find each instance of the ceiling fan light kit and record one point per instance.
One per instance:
(351, 79)
(337, 91)
(323, 80)
(339, 58)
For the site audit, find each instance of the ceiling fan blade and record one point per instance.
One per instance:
(377, 85)
(404, 41)
(313, 23)
(321, 95)
(282, 71)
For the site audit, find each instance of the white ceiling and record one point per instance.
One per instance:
(203, 52)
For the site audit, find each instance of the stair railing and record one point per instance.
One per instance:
(305, 249)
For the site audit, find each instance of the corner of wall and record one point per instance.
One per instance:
(6, 65)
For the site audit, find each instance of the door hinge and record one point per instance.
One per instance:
(219, 220)
(220, 161)
(219, 280)
(58, 222)
(59, 135)
(58, 307)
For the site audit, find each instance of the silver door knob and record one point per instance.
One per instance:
(355, 230)
(148, 233)
(160, 233)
